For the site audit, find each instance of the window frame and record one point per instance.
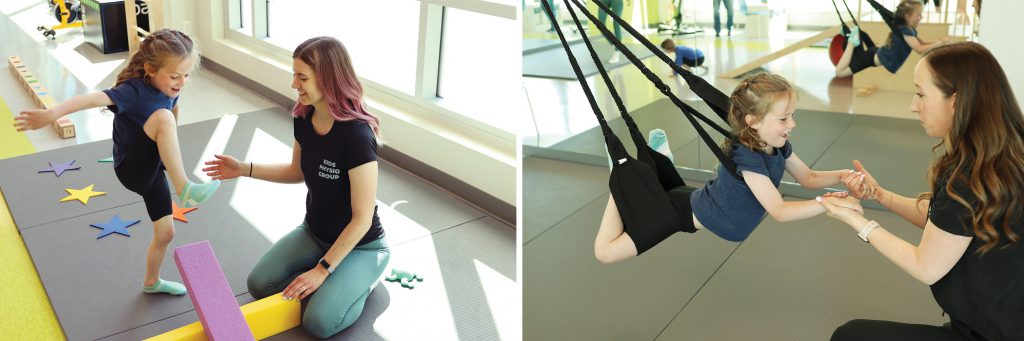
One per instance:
(425, 101)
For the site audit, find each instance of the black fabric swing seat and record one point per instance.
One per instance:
(652, 199)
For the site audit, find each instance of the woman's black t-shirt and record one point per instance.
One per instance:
(983, 294)
(325, 162)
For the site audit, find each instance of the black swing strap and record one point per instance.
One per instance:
(846, 29)
(615, 147)
(668, 177)
(646, 209)
(717, 100)
(688, 111)
(887, 16)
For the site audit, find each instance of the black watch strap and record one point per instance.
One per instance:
(326, 265)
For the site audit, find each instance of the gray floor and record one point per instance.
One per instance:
(792, 281)
(552, 62)
(467, 257)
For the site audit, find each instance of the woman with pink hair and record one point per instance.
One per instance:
(338, 252)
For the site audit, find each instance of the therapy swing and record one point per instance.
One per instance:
(639, 185)
(838, 44)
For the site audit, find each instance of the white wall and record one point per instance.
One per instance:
(997, 17)
(479, 162)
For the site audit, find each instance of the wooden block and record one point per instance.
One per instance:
(210, 293)
(40, 95)
(65, 128)
(266, 317)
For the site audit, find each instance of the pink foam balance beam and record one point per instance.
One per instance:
(208, 288)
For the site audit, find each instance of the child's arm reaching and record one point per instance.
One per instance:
(921, 46)
(38, 118)
(809, 178)
(784, 211)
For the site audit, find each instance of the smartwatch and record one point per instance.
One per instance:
(866, 230)
(327, 266)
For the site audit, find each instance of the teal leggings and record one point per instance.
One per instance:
(339, 300)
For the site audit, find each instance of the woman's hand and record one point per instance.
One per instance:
(861, 184)
(847, 210)
(33, 119)
(305, 284)
(223, 168)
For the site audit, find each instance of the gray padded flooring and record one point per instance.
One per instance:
(788, 281)
(553, 62)
(823, 140)
(467, 257)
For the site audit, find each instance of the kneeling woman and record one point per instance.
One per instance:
(338, 253)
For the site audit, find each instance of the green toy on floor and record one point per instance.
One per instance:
(405, 277)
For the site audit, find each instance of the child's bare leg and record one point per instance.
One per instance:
(613, 244)
(162, 128)
(163, 234)
(843, 66)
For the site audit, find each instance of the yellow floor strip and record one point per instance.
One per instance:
(12, 143)
(25, 311)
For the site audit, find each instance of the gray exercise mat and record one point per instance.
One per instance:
(462, 267)
(569, 295)
(897, 152)
(83, 275)
(34, 198)
(553, 63)
(800, 281)
(553, 190)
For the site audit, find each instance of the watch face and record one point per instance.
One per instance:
(326, 265)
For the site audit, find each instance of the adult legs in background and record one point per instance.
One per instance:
(616, 6)
(728, 15)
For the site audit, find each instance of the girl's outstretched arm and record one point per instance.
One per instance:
(809, 178)
(38, 118)
(784, 211)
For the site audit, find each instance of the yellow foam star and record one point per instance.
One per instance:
(82, 195)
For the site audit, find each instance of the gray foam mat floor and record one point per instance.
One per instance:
(554, 63)
(473, 256)
(466, 255)
(569, 295)
(84, 275)
(801, 281)
(552, 183)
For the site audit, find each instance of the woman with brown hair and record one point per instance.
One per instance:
(972, 222)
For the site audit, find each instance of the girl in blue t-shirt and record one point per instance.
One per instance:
(144, 100)
(761, 115)
(896, 49)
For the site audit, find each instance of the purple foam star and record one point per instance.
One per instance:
(60, 167)
(115, 225)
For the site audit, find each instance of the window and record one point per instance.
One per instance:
(383, 47)
(245, 10)
(480, 63)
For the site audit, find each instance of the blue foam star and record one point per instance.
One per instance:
(115, 225)
(60, 167)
